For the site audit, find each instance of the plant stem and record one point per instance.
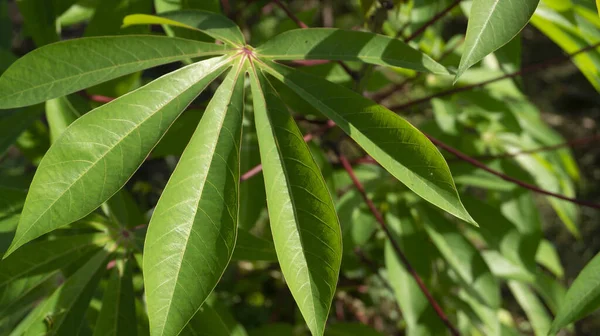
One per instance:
(434, 304)
(464, 157)
(433, 20)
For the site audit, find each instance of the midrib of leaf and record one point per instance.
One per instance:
(150, 115)
(291, 197)
(55, 257)
(392, 161)
(484, 27)
(113, 68)
(237, 68)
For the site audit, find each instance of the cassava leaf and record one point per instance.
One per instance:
(347, 45)
(397, 145)
(304, 223)
(117, 317)
(192, 232)
(212, 24)
(463, 257)
(583, 297)
(492, 24)
(250, 247)
(94, 157)
(69, 66)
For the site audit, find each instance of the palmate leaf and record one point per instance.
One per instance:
(192, 232)
(45, 73)
(397, 145)
(117, 316)
(492, 24)
(347, 45)
(304, 223)
(100, 151)
(212, 24)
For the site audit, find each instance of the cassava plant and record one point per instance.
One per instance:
(89, 254)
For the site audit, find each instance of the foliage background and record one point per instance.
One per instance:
(568, 102)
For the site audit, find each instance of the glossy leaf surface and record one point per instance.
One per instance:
(66, 67)
(304, 223)
(94, 158)
(492, 24)
(347, 45)
(192, 232)
(397, 145)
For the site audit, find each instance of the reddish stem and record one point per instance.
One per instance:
(395, 245)
(291, 15)
(522, 184)
(433, 20)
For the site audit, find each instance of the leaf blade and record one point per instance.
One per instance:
(371, 126)
(210, 23)
(45, 75)
(357, 46)
(117, 316)
(482, 39)
(82, 154)
(582, 297)
(305, 229)
(194, 225)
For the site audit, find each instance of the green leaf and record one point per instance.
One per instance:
(583, 297)
(492, 24)
(462, 257)
(61, 112)
(534, 309)
(192, 232)
(66, 307)
(213, 319)
(123, 210)
(351, 329)
(252, 248)
(46, 256)
(420, 317)
(66, 67)
(40, 20)
(170, 5)
(73, 179)
(326, 44)
(501, 234)
(410, 157)
(14, 122)
(253, 199)
(117, 316)
(212, 24)
(178, 135)
(547, 256)
(304, 223)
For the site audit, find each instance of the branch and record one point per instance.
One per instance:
(460, 155)
(570, 143)
(291, 15)
(395, 245)
(433, 20)
(530, 69)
